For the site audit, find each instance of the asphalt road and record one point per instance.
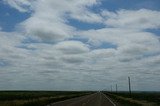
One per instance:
(96, 99)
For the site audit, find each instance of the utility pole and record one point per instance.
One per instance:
(129, 82)
(116, 89)
(111, 88)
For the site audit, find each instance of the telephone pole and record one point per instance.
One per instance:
(129, 83)
(111, 88)
(116, 89)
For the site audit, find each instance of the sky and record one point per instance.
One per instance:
(79, 44)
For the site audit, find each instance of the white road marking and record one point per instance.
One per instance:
(109, 99)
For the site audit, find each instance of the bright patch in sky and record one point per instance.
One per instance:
(79, 44)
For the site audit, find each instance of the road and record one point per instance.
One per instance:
(96, 99)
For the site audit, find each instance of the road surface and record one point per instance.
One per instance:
(96, 99)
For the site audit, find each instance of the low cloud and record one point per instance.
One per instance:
(72, 47)
(133, 19)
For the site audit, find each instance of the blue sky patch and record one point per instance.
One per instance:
(114, 5)
(3, 63)
(84, 26)
(28, 40)
(155, 31)
(10, 17)
(105, 45)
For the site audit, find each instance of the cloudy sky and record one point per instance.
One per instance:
(79, 44)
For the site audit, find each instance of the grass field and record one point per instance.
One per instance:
(42, 98)
(136, 98)
(35, 98)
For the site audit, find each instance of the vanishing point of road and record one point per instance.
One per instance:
(96, 99)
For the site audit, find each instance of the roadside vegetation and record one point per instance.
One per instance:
(136, 98)
(35, 98)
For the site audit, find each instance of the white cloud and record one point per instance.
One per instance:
(49, 17)
(20, 5)
(75, 62)
(47, 29)
(119, 36)
(9, 40)
(72, 47)
(136, 19)
(70, 61)
(102, 53)
(131, 44)
(73, 59)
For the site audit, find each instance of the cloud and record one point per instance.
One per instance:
(49, 19)
(3, 63)
(9, 40)
(135, 19)
(48, 30)
(55, 60)
(67, 60)
(73, 59)
(20, 5)
(131, 44)
(102, 53)
(72, 47)
(118, 36)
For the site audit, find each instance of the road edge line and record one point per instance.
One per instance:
(109, 99)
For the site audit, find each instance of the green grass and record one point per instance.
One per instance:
(35, 98)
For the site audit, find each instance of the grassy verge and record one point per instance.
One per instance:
(140, 100)
(24, 98)
(153, 97)
(122, 101)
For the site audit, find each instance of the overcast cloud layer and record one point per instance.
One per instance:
(46, 52)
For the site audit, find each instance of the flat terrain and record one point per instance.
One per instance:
(36, 98)
(136, 98)
(96, 99)
(74, 98)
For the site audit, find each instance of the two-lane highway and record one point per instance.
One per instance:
(96, 99)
